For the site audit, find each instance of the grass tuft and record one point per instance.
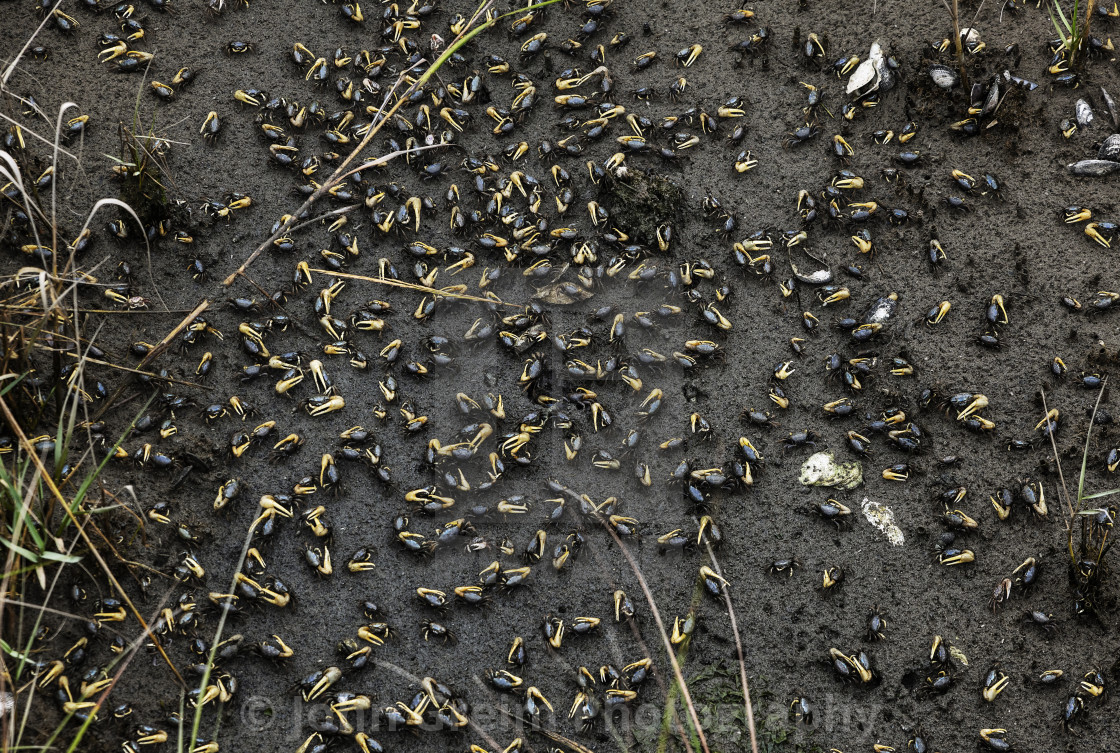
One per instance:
(1091, 524)
(51, 461)
(1071, 30)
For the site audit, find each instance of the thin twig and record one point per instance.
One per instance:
(553, 736)
(739, 648)
(954, 12)
(1088, 435)
(340, 211)
(130, 312)
(26, 46)
(30, 132)
(636, 631)
(322, 190)
(976, 15)
(664, 635)
(141, 372)
(153, 354)
(413, 286)
(216, 643)
(1057, 459)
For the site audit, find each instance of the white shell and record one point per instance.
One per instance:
(1084, 113)
(865, 78)
(943, 76)
(821, 469)
(882, 517)
(819, 277)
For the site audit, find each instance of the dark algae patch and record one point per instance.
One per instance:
(644, 202)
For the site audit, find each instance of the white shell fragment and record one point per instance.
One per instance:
(882, 310)
(1084, 113)
(1093, 168)
(882, 518)
(821, 469)
(865, 78)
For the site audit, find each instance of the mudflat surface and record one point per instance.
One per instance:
(1015, 245)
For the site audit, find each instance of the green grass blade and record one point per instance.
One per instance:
(27, 554)
(87, 482)
(1064, 35)
(1085, 452)
(32, 531)
(1098, 495)
(12, 652)
(69, 559)
(81, 732)
(1058, 29)
(15, 379)
(20, 571)
(1061, 13)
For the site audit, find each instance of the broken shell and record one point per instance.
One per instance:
(970, 38)
(1113, 113)
(821, 469)
(992, 100)
(1084, 113)
(943, 76)
(867, 75)
(1093, 168)
(882, 517)
(820, 277)
(562, 294)
(1110, 148)
(1021, 82)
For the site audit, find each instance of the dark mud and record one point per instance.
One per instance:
(1017, 246)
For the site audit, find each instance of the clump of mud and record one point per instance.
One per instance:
(641, 202)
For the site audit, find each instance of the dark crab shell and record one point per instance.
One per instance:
(1093, 168)
(1110, 148)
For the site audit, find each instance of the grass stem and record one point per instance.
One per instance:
(664, 637)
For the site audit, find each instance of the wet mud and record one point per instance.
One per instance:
(1015, 244)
